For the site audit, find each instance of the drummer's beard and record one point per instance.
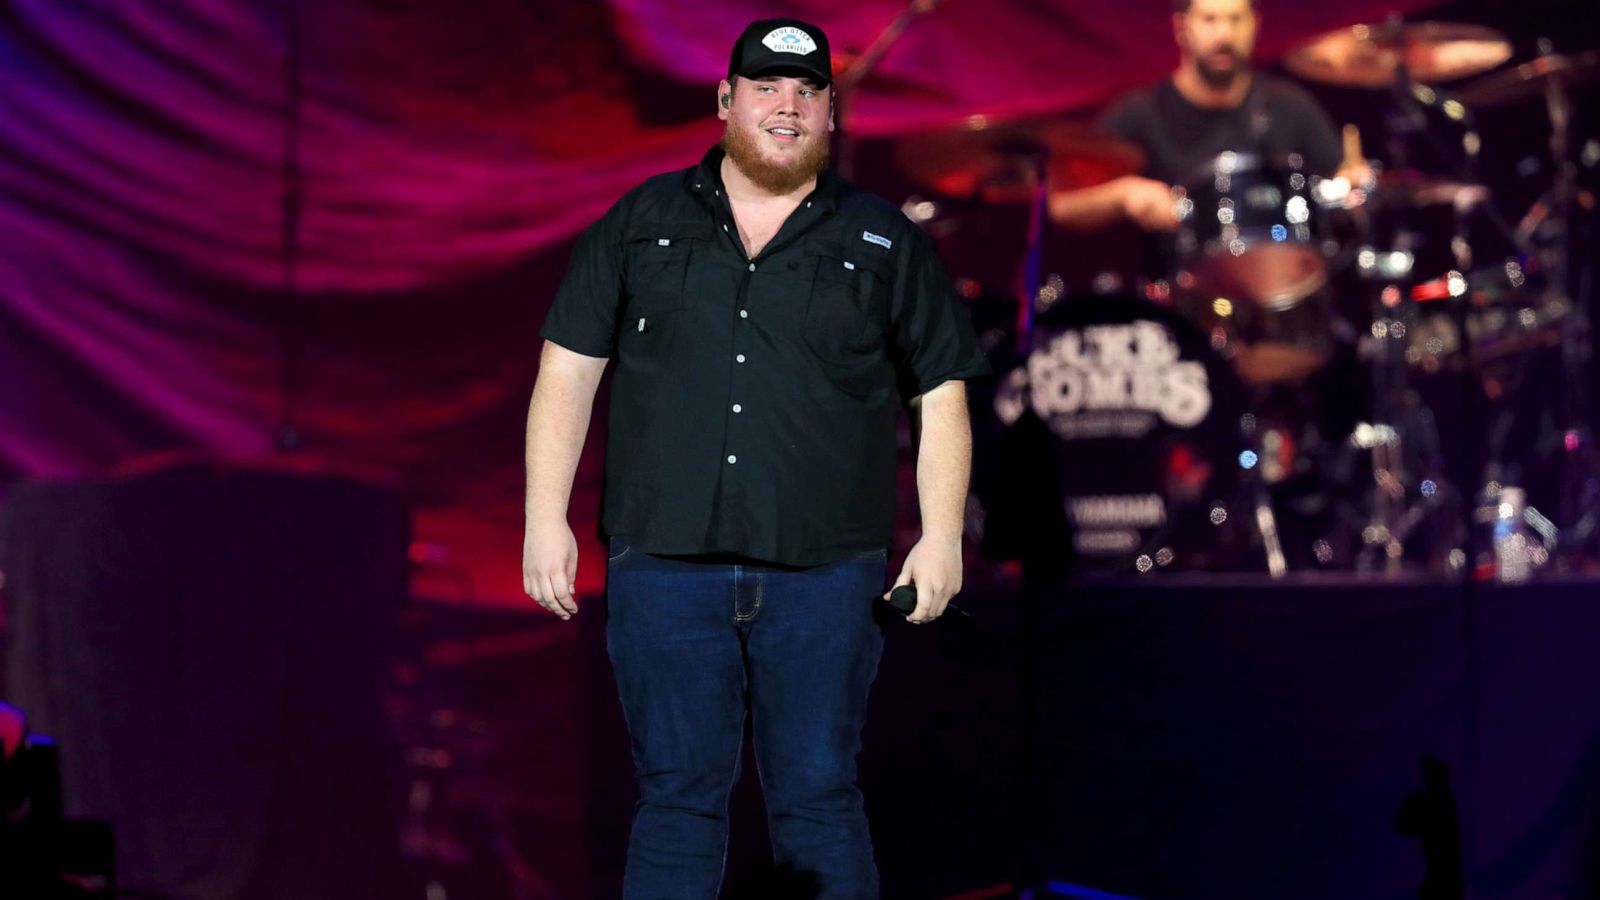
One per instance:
(1220, 78)
(776, 178)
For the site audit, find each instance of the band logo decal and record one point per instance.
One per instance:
(1108, 380)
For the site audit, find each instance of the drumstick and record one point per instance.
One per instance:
(1352, 146)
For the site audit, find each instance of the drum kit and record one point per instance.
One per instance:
(1181, 423)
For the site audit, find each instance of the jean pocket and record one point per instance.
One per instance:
(616, 551)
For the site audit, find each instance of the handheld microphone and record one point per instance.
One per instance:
(903, 600)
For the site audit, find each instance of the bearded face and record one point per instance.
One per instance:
(1219, 36)
(1219, 68)
(777, 131)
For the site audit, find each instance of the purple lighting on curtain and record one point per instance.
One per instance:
(448, 154)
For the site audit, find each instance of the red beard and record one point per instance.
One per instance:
(774, 178)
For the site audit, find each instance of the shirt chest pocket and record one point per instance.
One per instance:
(847, 312)
(663, 259)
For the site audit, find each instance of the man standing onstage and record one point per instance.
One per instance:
(766, 319)
(1214, 102)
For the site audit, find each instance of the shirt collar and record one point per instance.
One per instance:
(706, 178)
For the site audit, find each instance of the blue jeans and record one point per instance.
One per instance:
(694, 645)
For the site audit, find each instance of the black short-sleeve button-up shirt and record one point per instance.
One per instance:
(754, 401)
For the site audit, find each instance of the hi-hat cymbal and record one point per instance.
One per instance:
(997, 160)
(1369, 56)
(1528, 81)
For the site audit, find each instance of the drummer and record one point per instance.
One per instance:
(1214, 102)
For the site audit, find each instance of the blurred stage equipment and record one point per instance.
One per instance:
(1534, 80)
(1498, 317)
(1248, 232)
(850, 70)
(1380, 55)
(1551, 78)
(1411, 502)
(998, 161)
(44, 855)
(1448, 306)
(1016, 162)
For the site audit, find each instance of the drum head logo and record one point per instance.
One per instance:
(789, 39)
(1108, 381)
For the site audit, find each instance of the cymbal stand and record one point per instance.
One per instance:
(1037, 159)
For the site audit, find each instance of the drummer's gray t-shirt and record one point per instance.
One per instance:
(1180, 139)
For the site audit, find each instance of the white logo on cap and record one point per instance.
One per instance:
(789, 39)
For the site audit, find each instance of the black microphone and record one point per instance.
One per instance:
(903, 600)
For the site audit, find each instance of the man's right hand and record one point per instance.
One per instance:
(1148, 203)
(550, 567)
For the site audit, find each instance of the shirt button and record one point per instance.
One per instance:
(732, 459)
(737, 408)
(739, 358)
(752, 267)
(744, 313)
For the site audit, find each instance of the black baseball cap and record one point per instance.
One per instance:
(782, 47)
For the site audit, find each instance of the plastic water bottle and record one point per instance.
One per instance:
(1512, 548)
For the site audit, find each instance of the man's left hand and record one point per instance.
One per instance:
(934, 566)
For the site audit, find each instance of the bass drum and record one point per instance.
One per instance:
(1122, 447)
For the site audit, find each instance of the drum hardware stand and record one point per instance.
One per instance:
(1037, 158)
(1580, 509)
(1581, 477)
(1413, 122)
(1400, 419)
(1394, 518)
(1266, 521)
(1253, 489)
(1545, 234)
(1402, 423)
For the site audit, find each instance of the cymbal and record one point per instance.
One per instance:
(996, 159)
(1368, 56)
(1528, 81)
